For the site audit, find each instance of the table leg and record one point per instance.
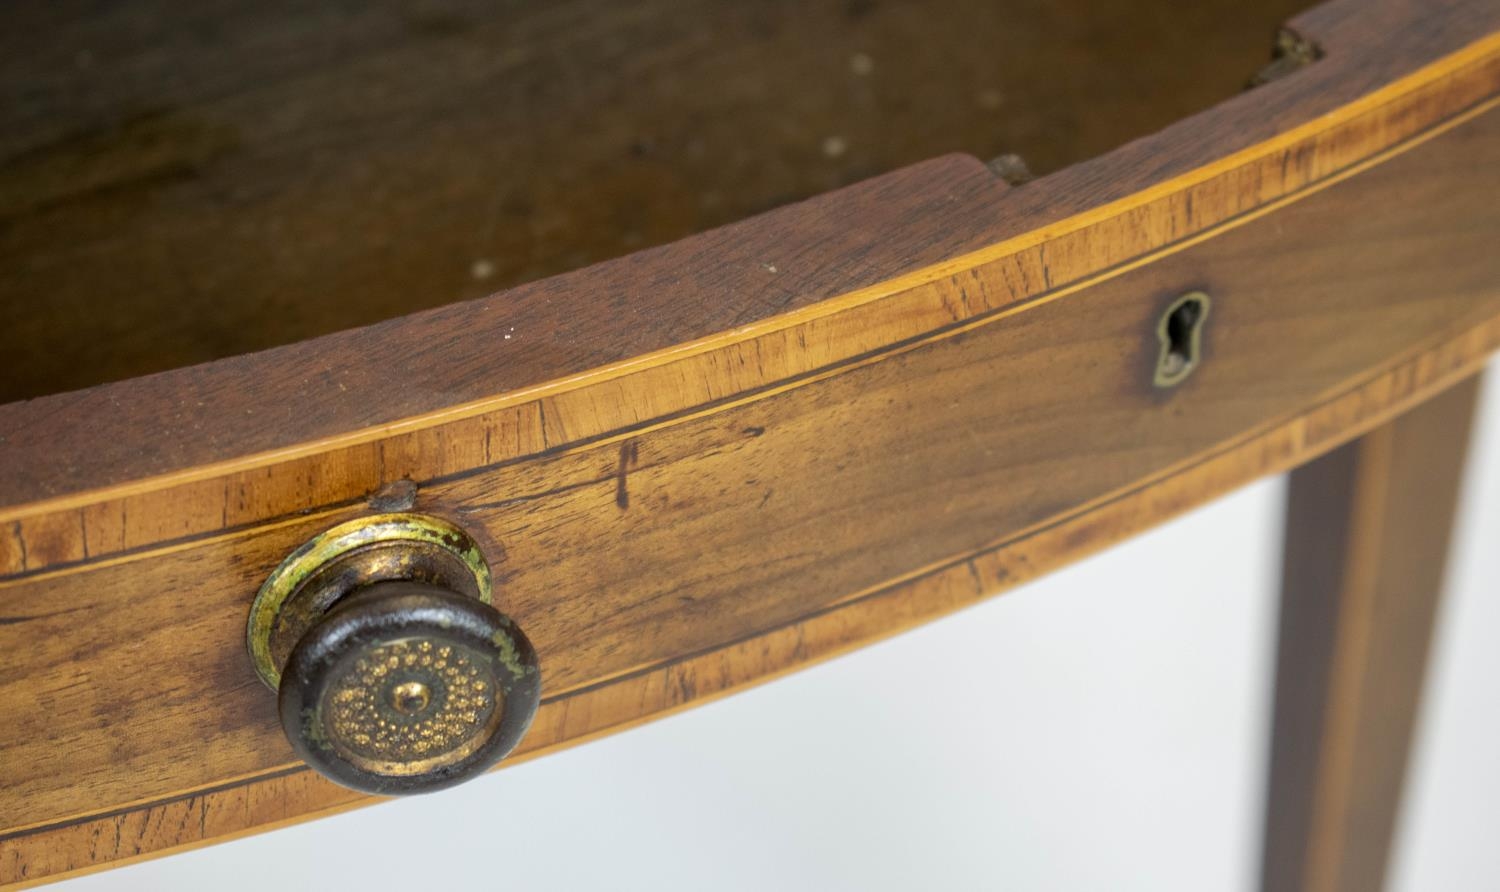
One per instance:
(1367, 530)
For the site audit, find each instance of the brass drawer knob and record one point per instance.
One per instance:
(394, 672)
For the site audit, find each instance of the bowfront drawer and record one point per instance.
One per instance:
(394, 554)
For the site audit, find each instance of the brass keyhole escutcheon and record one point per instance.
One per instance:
(394, 672)
(1181, 334)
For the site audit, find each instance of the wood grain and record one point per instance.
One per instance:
(187, 186)
(720, 284)
(83, 484)
(691, 474)
(1366, 545)
(793, 522)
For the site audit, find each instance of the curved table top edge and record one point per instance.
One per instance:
(82, 447)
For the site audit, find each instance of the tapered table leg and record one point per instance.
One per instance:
(1367, 532)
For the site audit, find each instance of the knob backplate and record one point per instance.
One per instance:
(351, 556)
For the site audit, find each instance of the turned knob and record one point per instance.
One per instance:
(394, 673)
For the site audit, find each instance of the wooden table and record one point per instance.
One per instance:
(709, 462)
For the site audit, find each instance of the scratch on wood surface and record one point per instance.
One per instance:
(20, 537)
(628, 456)
(17, 620)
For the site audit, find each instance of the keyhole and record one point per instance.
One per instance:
(1180, 331)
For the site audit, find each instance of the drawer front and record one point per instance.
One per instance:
(673, 559)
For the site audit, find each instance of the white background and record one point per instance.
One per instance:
(1103, 728)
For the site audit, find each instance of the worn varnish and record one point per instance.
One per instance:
(187, 185)
(546, 367)
(766, 479)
